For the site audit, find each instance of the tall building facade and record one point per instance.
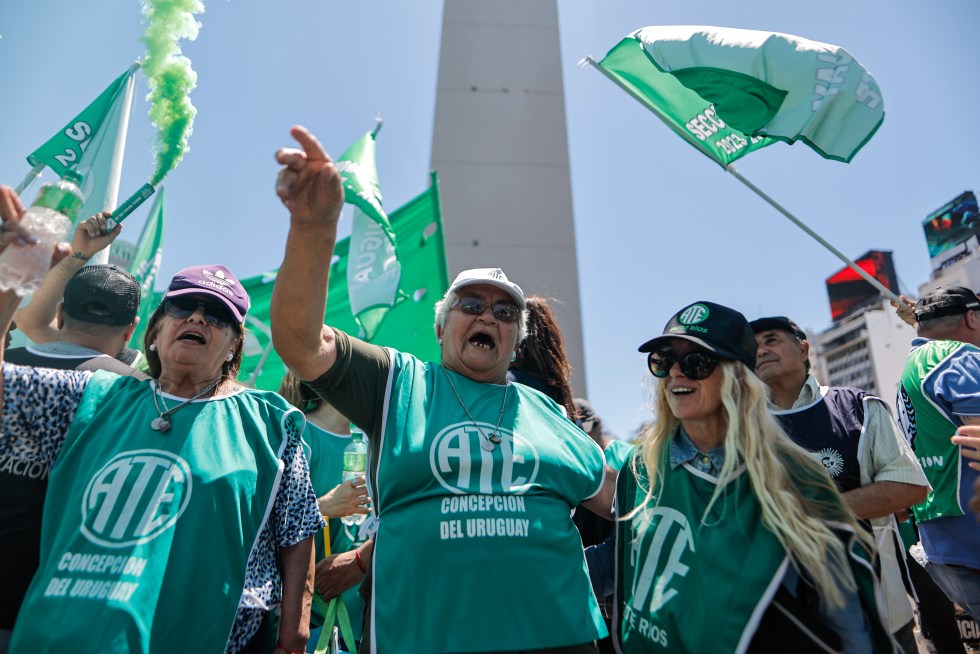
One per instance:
(866, 349)
(500, 147)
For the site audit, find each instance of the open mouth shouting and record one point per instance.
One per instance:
(193, 336)
(483, 341)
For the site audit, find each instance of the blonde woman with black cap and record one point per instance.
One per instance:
(732, 538)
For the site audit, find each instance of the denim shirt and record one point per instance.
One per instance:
(683, 450)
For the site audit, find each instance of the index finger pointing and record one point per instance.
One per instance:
(314, 151)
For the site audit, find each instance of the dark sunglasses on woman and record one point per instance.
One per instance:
(215, 313)
(474, 306)
(694, 365)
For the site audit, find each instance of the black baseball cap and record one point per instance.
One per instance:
(714, 327)
(778, 322)
(945, 301)
(102, 295)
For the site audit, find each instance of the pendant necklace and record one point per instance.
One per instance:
(162, 424)
(488, 442)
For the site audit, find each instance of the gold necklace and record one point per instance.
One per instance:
(162, 423)
(494, 438)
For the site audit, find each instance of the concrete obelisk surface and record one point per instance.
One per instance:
(501, 149)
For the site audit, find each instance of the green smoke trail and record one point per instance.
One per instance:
(170, 77)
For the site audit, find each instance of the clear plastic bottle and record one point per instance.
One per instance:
(23, 267)
(355, 465)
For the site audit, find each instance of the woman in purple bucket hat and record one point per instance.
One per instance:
(179, 509)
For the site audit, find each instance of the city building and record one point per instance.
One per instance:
(866, 349)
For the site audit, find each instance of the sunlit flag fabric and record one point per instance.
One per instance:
(731, 91)
(63, 151)
(373, 273)
(409, 326)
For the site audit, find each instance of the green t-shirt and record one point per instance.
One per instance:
(679, 570)
(475, 550)
(153, 532)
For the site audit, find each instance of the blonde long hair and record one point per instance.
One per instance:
(795, 493)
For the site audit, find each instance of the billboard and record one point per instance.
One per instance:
(952, 224)
(847, 290)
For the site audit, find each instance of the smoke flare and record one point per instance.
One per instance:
(170, 77)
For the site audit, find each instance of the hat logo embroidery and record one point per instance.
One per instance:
(496, 273)
(218, 278)
(693, 315)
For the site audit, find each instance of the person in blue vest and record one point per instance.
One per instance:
(853, 434)
(179, 509)
(730, 537)
(473, 478)
(940, 392)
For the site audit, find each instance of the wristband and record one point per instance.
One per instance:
(279, 645)
(359, 562)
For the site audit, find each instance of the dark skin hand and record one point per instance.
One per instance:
(338, 572)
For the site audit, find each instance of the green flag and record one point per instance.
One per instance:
(373, 269)
(409, 326)
(731, 91)
(64, 150)
(146, 265)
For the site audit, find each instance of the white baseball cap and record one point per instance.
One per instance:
(489, 277)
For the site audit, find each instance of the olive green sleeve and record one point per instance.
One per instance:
(356, 383)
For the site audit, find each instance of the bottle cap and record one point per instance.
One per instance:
(74, 177)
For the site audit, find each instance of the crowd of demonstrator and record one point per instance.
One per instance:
(152, 503)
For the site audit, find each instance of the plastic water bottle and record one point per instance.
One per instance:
(355, 465)
(23, 267)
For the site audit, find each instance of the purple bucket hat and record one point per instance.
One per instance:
(214, 280)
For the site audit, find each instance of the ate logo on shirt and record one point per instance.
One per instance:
(135, 497)
(661, 537)
(462, 466)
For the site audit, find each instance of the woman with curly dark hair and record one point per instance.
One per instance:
(540, 360)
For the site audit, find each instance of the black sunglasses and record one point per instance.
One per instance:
(215, 314)
(694, 365)
(475, 306)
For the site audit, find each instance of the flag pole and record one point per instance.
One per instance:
(34, 173)
(819, 239)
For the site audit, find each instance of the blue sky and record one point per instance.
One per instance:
(657, 224)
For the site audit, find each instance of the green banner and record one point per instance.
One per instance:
(63, 151)
(688, 114)
(373, 270)
(146, 265)
(359, 172)
(731, 91)
(409, 324)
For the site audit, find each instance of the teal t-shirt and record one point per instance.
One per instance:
(476, 550)
(153, 532)
(325, 451)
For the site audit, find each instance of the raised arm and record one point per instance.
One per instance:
(37, 319)
(310, 187)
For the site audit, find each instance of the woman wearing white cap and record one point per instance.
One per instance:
(473, 479)
(733, 538)
(179, 510)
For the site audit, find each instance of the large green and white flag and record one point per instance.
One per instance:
(64, 150)
(374, 269)
(409, 326)
(731, 91)
(146, 265)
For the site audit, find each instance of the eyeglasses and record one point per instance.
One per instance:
(694, 365)
(474, 306)
(215, 314)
